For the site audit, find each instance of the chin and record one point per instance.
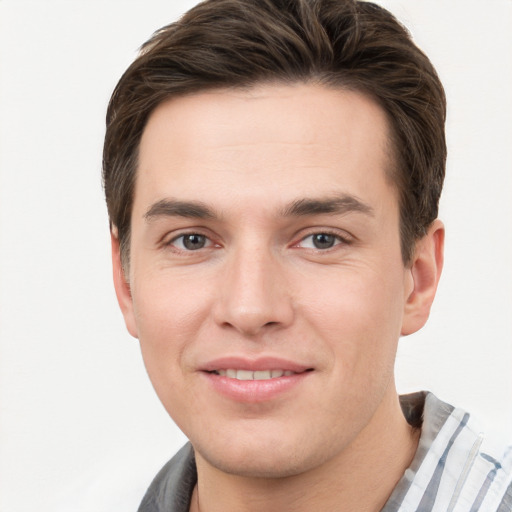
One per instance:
(265, 468)
(268, 458)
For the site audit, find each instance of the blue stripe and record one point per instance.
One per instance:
(506, 502)
(429, 496)
(484, 490)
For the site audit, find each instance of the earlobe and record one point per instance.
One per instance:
(425, 272)
(122, 286)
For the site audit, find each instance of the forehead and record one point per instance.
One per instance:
(271, 139)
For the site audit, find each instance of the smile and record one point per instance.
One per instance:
(253, 375)
(249, 380)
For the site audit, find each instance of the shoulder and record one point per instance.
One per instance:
(457, 466)
(173, 485)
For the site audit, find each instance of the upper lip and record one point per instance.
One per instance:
(257, 364)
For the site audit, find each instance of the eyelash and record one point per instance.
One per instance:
(183, 236)
(338, 240)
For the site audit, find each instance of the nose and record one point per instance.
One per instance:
(254, 295)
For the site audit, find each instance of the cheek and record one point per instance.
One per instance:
(166, 307)
(360, 315)
(169, 318)
(167, 325)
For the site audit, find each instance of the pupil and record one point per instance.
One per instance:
(323, 241)
(194, 242)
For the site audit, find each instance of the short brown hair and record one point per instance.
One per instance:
(344, 44)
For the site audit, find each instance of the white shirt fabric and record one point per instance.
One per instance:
(456, 467)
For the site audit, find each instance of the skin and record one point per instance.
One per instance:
(260, 287)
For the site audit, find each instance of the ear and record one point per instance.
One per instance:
(425, 271)
(122, 286)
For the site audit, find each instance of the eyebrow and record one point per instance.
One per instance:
(174, 208)
(337, 205)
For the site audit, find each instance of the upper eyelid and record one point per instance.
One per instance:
(182, 235)
(342, 235)
(339, 233)
(334, 232)
(171, 244)
(340, 239)
(169, 237)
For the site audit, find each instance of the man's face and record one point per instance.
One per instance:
(265, 245)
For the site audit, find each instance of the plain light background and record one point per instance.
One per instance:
(81, 430)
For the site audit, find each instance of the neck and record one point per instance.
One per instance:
(361, 477)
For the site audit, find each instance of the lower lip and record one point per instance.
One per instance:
(253, 391)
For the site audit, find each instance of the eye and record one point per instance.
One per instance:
(190, 242)
(320, 241)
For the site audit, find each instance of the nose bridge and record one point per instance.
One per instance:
(254, 295)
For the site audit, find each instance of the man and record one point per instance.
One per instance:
(272, 171)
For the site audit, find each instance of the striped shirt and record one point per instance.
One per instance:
(455, 469)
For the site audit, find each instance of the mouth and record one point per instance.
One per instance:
(238, 374)
(255, 381)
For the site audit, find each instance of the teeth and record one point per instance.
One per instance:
(257, 375)
(262, 375)
(244, 375)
